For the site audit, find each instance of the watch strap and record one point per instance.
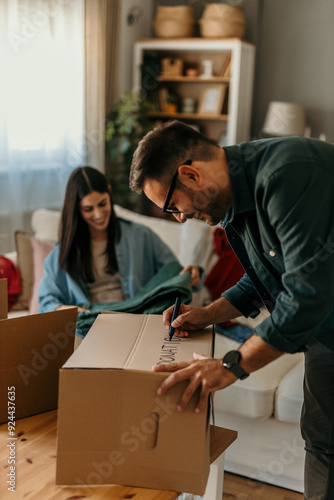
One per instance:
(239, 372)
(231, 362)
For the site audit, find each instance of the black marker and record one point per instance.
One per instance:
(174, 315)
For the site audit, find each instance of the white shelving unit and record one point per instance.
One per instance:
(234, 122)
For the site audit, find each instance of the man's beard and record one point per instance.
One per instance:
(215, 206)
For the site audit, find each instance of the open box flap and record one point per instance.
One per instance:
(136, 342)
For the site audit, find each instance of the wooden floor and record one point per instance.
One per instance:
(242, 488)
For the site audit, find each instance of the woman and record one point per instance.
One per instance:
(100, 258)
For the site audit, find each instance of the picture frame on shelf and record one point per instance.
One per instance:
(211, 99)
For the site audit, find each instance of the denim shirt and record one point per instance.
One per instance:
(140, 254)
(281, 227)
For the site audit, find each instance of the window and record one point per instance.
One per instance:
(42, 106)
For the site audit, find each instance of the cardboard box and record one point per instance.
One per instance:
(32, 349)
(112, 426)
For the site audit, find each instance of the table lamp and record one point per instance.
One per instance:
(284, 118)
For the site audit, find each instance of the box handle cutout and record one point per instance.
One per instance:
(151, 425)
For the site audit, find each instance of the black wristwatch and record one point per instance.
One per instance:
(231, 362)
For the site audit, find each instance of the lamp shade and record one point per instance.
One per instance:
(284, 118)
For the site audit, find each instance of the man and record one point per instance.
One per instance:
(275, 199)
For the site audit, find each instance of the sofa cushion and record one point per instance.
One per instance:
(289, 395)
(45, 224)
(189, 242)
(25, 266)
(168, 231)
(196, 244)
(253, 397)
(31, 253)
(41, 250)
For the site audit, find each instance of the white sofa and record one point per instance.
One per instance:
(264, 408)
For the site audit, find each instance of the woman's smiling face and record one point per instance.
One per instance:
(95, 209)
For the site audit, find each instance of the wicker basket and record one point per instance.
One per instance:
(222, 21)
(174, 22)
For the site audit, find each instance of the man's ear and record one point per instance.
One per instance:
(190, 175)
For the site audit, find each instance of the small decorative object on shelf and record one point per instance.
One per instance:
(171, 66)
(192, 72)
(172, 102)
(188, 105)
(207, 68)
(171, 108)
(168, 100)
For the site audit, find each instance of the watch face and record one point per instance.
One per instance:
(231, 362)
(231, 357)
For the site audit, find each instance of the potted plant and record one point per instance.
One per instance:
(126, 125)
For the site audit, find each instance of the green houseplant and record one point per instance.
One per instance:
(126, 124)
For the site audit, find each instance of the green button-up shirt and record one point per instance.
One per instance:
(281, 227)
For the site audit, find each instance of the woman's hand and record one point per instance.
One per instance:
(194, 273)
(80, 309)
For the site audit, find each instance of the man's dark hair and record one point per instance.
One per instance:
(165, 148)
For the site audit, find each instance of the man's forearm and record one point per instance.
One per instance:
(221, 310)
(256, 353)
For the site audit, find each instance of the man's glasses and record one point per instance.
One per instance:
(171, 189)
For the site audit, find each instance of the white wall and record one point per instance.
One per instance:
(135, 22)
(295, 60)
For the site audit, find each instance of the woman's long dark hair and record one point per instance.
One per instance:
(75, 255)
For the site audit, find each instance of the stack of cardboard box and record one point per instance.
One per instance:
(32, 349)
(113, 428)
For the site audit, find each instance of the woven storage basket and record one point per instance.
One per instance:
(222, 21)
(174, 22)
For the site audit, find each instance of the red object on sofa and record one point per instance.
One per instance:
(226, 272)
(10, 271)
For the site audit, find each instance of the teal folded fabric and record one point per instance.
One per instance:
(156, 296)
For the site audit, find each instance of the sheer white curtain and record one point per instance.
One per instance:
(101, 65)
(42, 135)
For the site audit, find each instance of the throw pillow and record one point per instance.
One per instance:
(41, 250)
(45, 224)
(25, 266)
